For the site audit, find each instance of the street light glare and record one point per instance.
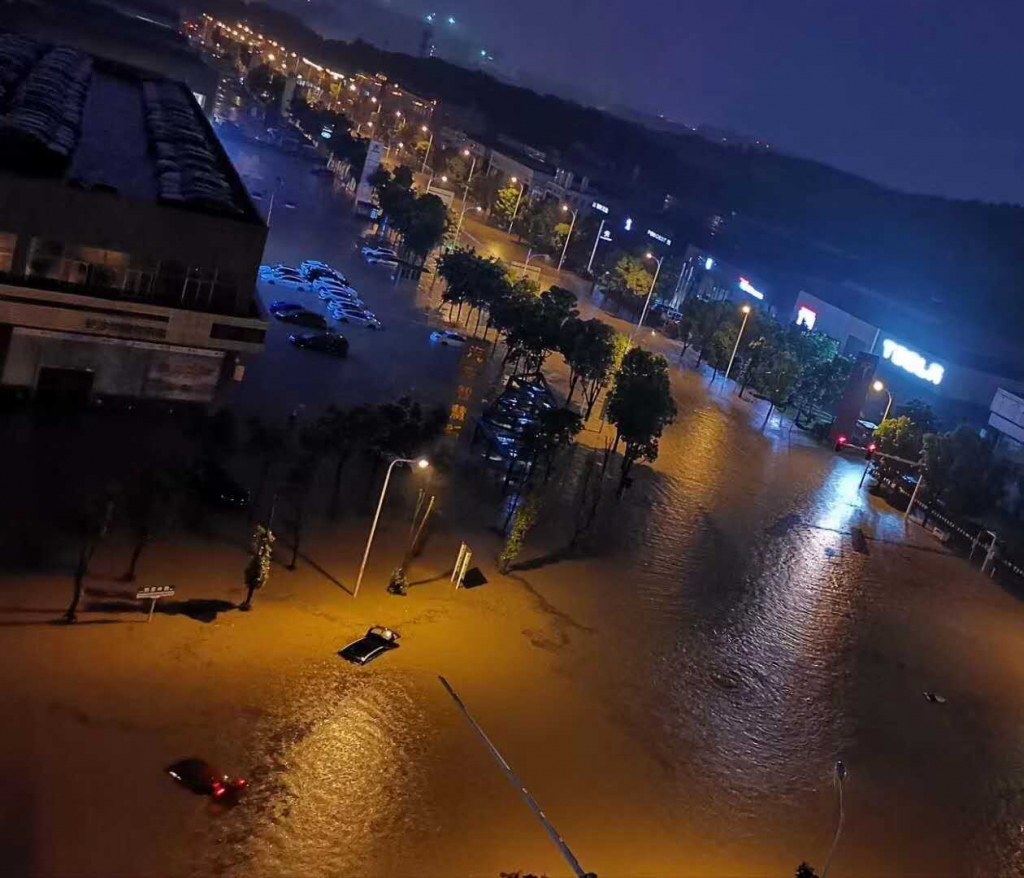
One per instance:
(424, 129)
(745, 309)
(878, 386)
(515, 179)
(465, 152)
(422, 463)
(650, 256)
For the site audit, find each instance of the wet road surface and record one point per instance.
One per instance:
(675, 699)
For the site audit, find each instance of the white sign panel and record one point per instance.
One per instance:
(653, 234)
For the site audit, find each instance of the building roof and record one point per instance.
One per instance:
(90, 122)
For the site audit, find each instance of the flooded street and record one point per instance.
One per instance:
(675, 699)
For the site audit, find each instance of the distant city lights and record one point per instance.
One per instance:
(750, 289)
(912, 362)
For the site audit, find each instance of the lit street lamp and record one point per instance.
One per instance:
(522, 188)
(444, 179)
(422, 463)
(878, 387)
(462, 216)
(572, 225)
(469, 179)
(746, 313)
(650, 293)
(426, 155)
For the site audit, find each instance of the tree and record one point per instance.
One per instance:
(822, 383)
(505, 204)
(962, 472)
(777, 380)
(588, 348)
(216, 435)
(338, 432)
(257, 571)
(537, 222)
(149, 504)
(266, 442)
(526, 518)
(263, 82)
(427, 225)
(805, 871)
(720, 349)
(629, 281)
(922, 414)
(90, 524)
(477, 280)
(557, 429)
(897, 437)
(640, 407)
(707, 318)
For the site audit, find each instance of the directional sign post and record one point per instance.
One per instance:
(153, 593)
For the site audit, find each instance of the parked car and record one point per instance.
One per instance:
(344, 313)
(303, 318)
(386, 261)
(281, 306)
(341, 299)
(448, 338)
(288, 279)
(379, 253)
(329, 275)
(326, 343)
(268, 270)
(307, 264)
(214, 485)
(206, 780)
(377, 641)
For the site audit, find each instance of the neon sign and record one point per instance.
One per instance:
(653, 234)
(912, 362)
(806, 317)
(598, 206)
(709, 263)
(749, 288)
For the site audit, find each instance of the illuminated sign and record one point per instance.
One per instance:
(912, 362)
(653, 234)
(601, 207)
(709, 263)
(748, 288)
(629, 224)
(326, 132)
(806, 317)
(606, 235)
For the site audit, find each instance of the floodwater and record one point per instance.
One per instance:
(676, 697)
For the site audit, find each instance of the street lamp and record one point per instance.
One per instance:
(597, 241)
(746, 313)
(469, 179)
(426, 155)
(878, 387)
(422, 463)
(650, 293)
(462, 216)
(572, 225)
(522, 188)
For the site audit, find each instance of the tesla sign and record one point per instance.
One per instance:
(912, 362)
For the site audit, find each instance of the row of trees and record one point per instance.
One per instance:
(961, 471)
(287, 457)
(419, 221)
(784, 364)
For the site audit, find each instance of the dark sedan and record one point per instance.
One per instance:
(303, 318)
(206, 780)
(325, 343)
(377, 641)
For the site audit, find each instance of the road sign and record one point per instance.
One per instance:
(153, 593)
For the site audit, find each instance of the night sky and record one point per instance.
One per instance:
(923, 95)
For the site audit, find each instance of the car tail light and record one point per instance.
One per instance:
(841, 440)
(218, 788)
(240, 782)
(872, 447)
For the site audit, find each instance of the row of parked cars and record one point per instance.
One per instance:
(507, 420)
(331, 286)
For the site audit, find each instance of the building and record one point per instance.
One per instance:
(1006, 420)
(703, 276)
(120, 30)
(129, 248)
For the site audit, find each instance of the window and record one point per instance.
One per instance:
(7, 242)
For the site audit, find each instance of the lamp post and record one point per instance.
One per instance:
(572, 225)
(650, 293)
(469, 179)
(426, 155)
(515, 212)
(746, 313)
(462, 216)
(422, 463)
(597, 241)
(878, 387)
(444, 179)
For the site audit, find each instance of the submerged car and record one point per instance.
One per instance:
(325, 343)
(206, 780)
(448, 337)
(377, 641)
